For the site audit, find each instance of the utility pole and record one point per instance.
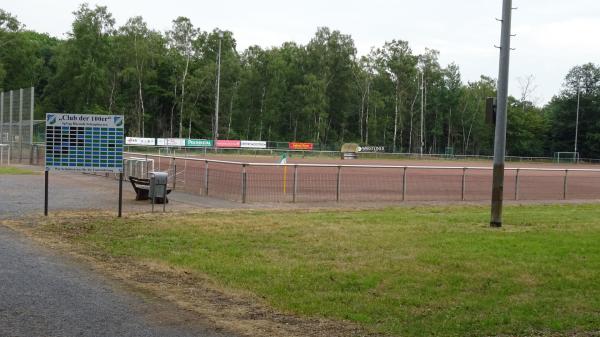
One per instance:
(216, 124)
(422, 109)
(500, 137)
(577, 118)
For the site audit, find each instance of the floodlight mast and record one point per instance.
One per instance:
(216, 122)
(500, 136)
(577, 117)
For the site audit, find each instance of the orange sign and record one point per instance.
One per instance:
(301, 146)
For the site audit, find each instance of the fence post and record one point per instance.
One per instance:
(464, 176)
(565, 185)
(517, 185)
(21, 125)
(206, 177)
(404, 185)
(244, 183)
(295, 183)
(339, 177)
(174, 173)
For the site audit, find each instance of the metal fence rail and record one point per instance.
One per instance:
(266, 182)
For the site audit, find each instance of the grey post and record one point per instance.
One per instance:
(31, 116)
(517, 185)
(565, 185)
(404, 185)
(338, 186)
(295, 183)
(1, 116)
(500, 137)
(206, 177)
(10, 119)
(20, 125)
(174, 174)
(464, 177)
(244, 183)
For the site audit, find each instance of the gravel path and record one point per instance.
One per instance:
(45, 294)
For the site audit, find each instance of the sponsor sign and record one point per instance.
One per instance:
(229, 143)
(89, 143)
(251, 144)
(301, 146)
(170, 142)
(198, 143)
(140, 141)
(371, 149)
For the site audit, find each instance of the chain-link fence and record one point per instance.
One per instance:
(264, 182)
(16, 123)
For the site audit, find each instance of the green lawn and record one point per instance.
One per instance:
(14, 170)
(419, 271)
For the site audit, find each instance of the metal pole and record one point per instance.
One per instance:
(565, 185)
(244, 183)
(46, 193)
(206, 177)
(31, 115)
(295, 183)
(517, 185)
(404, 185)
(339, 177)
(174, 174)
(462, 193)
(10, 119)
(216, 125)
(21, 125)
(500, 137)
(577, 118)
(422, 110)
(1, 116)
(120, 193)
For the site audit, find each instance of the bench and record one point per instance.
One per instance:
(142, 189)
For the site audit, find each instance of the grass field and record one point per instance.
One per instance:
(14, 170)
(418, 271)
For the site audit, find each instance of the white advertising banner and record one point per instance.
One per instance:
(251, 144)
(170, 142)
(140, 141)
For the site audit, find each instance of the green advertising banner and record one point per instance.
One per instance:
(198, 143)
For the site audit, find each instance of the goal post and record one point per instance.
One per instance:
(566, 157)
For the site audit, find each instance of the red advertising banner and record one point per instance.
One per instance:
(301, 146)
(229, 143)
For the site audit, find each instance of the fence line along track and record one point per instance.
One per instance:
(271, 182)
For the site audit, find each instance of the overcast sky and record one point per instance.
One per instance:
(552, 35)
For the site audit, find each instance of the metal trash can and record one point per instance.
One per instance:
(158, 187)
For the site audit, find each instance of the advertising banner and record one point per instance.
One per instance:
(170, 141)
(229, 143)
(252, 144)
(301, 146)
(140, 141)
(371, 149)
(198, 143)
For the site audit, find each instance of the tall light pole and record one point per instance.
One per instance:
(577, 118)
(216, 123)
(502, 99)
(422, 109)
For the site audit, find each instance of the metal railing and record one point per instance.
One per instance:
(271, 182)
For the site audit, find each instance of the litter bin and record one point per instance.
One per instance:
(158, 187)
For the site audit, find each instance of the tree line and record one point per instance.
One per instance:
(164, 83)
